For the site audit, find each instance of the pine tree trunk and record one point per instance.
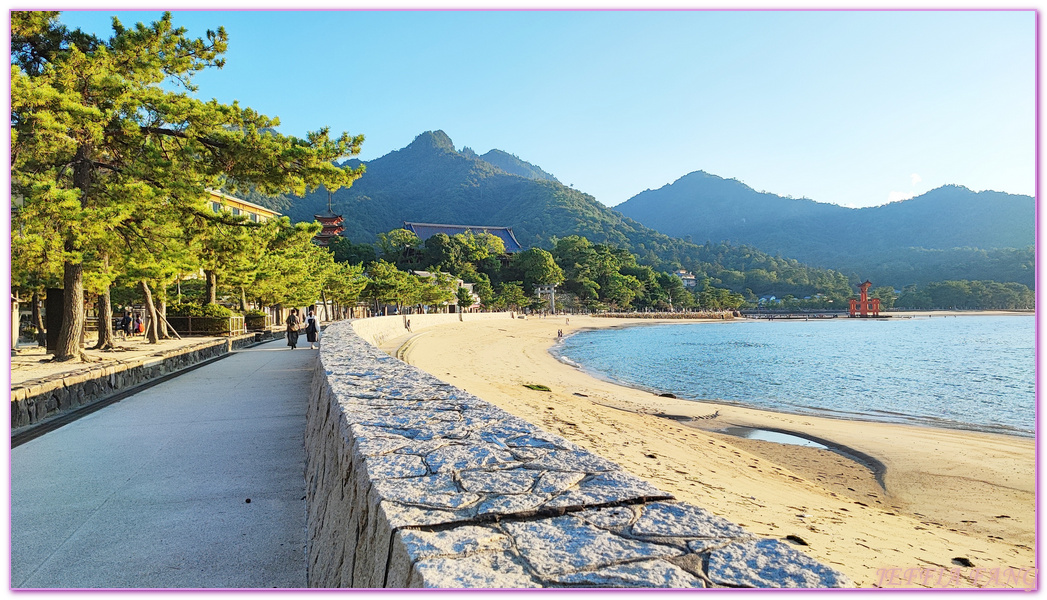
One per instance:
(67, 346)
(38, 320)
(162, 321)
(323, 297)
(243, 299)
(150, 329)
(106, 339)
(210, 287)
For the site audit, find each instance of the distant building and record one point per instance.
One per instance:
(689, 280)
(220, 201)
(332, 226)
(331, 223)
(425, 231)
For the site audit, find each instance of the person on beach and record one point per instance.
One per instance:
(293, 325)
(312, 329)
(409, 325)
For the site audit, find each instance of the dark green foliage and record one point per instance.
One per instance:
(112, 152)
(967, 295)
(345, 251)
(199, 325)
(535, 267)
(186, 309)
(512, 164)
(428, 181)
(921, 266)
(949, 232)
(510, 296)
(463, 297)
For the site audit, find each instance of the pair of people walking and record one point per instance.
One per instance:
(295, 325)
(131, 325)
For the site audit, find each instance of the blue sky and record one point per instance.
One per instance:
(854, 108)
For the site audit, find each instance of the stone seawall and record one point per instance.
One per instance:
(412, 482)
(35, 401)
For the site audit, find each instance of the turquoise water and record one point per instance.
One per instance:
(967, 372)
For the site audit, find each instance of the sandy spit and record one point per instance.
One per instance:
(921, 507)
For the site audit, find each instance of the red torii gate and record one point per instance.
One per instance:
(864, 307)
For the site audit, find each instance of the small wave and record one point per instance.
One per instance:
(567, 361)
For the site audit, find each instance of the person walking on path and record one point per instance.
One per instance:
(312, 329)
(293, 325)
(125, 324)
(136, 327)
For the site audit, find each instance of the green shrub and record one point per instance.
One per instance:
(189, 309)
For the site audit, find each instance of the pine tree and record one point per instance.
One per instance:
(98, 131)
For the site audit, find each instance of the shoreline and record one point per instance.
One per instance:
(840, 416)
(948, 493)
(901, 419)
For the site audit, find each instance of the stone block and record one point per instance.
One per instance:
(562, 545)
(661, 519)
(640, 574)
(770, 563)
(489, 570)
(615, 518)
(459, 541)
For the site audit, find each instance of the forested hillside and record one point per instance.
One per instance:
(947, 233)
(510, 163)
(430, 181)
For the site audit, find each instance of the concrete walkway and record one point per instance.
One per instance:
(195, 483)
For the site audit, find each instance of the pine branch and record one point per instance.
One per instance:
(161, 131)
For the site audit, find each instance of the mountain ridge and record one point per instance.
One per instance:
(910, 233)
(429, 181)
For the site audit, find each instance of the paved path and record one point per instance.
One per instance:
(152, 492)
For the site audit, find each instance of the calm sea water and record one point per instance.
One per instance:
(963, 372)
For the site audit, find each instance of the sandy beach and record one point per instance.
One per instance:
(920, 507)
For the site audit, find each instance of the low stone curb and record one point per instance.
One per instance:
(412, 482)
(36, 401)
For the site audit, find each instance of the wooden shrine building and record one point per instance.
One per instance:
(426, 230)
(332, 225)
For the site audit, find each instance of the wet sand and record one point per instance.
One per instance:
(924, 500)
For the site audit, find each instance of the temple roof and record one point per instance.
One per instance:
(328, 218)
(425, 231)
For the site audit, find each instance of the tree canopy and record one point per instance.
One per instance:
(107, 134)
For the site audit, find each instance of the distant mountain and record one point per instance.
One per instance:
(429, 181)
(510, 163)
(948, 233)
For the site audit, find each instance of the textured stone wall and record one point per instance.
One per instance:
(37, 400)
(412, 482)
